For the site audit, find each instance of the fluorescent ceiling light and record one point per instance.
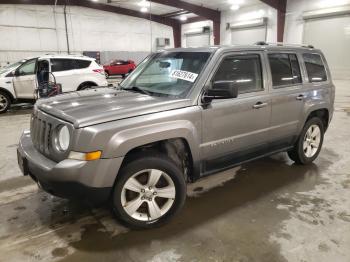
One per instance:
(234, 7)
(144, 9)
(144, 3)
(183, 18)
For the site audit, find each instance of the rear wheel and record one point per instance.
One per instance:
(5, 102)
(86, 86)
(309, 143)
(148, 192)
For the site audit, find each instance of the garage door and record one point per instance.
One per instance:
(196, 40)
(332, 36)
(248, 36)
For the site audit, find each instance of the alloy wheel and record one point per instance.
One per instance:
(312, 140)
(3, 103)
(148, 195)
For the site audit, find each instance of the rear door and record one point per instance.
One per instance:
(65, 73)
(287, 97)
(24, 82)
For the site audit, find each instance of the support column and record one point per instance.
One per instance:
(177, 34)
(216, 32)
(281, 19)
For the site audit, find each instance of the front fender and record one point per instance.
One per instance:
(124, 141)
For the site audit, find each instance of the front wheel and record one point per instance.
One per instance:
(309, 143)
(148, 192)
(5, 102)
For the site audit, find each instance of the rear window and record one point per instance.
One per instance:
(80, 64)
(285, 69)
(60, 64)
(315, 68)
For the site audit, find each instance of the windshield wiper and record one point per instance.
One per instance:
(137, 89)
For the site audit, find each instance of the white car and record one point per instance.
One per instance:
(19, 81)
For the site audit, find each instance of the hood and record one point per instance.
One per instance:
(101, 105)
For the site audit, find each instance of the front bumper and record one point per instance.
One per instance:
(89, 181)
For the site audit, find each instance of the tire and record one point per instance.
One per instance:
(123, 76)
(5, 102)
(309, 144)
(86, 86)
(145, 193)
(107, 74)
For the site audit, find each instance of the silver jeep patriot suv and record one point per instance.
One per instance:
(181, 115)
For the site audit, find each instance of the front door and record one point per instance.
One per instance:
(235, 129)
(24, 81)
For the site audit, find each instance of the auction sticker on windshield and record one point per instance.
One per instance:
(184, 75)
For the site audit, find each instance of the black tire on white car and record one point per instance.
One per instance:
(149, 190)
(5, 102)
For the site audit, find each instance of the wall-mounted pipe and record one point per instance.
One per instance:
(65, 24)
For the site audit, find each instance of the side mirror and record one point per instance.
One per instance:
(14, 73)
(220, 90)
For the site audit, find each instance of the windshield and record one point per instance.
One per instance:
(168, 73)
(11, 66)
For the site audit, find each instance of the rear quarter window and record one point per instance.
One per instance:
(80, 64)
(315, 68)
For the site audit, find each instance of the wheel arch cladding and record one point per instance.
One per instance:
(121, 143)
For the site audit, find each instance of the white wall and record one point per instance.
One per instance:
(293, 32)
(193, 26)
(28, 30)
(249, 13)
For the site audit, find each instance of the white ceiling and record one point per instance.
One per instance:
(160, 9)
(221, 5)
(156, 9)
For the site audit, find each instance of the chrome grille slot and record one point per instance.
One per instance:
(41, 134)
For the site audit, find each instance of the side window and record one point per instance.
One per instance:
(80, 64)
(59, 64)
(28, 68)
(315, 68)
(244, 70)
(285, 69)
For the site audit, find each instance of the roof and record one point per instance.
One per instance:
(65, 56)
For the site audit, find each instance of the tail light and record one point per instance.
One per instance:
(100, 71)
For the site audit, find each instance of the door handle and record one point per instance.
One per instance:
(259, 105)
(300, 97)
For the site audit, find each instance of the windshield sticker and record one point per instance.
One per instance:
(184, 75)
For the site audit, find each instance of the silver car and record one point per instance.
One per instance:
(181, 115)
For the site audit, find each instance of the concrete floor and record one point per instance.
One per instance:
(267, 210)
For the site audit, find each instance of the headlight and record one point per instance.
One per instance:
(63, 138)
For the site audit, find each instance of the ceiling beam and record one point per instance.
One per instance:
(208, 13)
(98, 6)
(277, 4)
(194, 19)
(176, 13)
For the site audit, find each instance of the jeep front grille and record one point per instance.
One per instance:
(41, 131)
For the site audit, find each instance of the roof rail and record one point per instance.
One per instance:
(283, 44)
